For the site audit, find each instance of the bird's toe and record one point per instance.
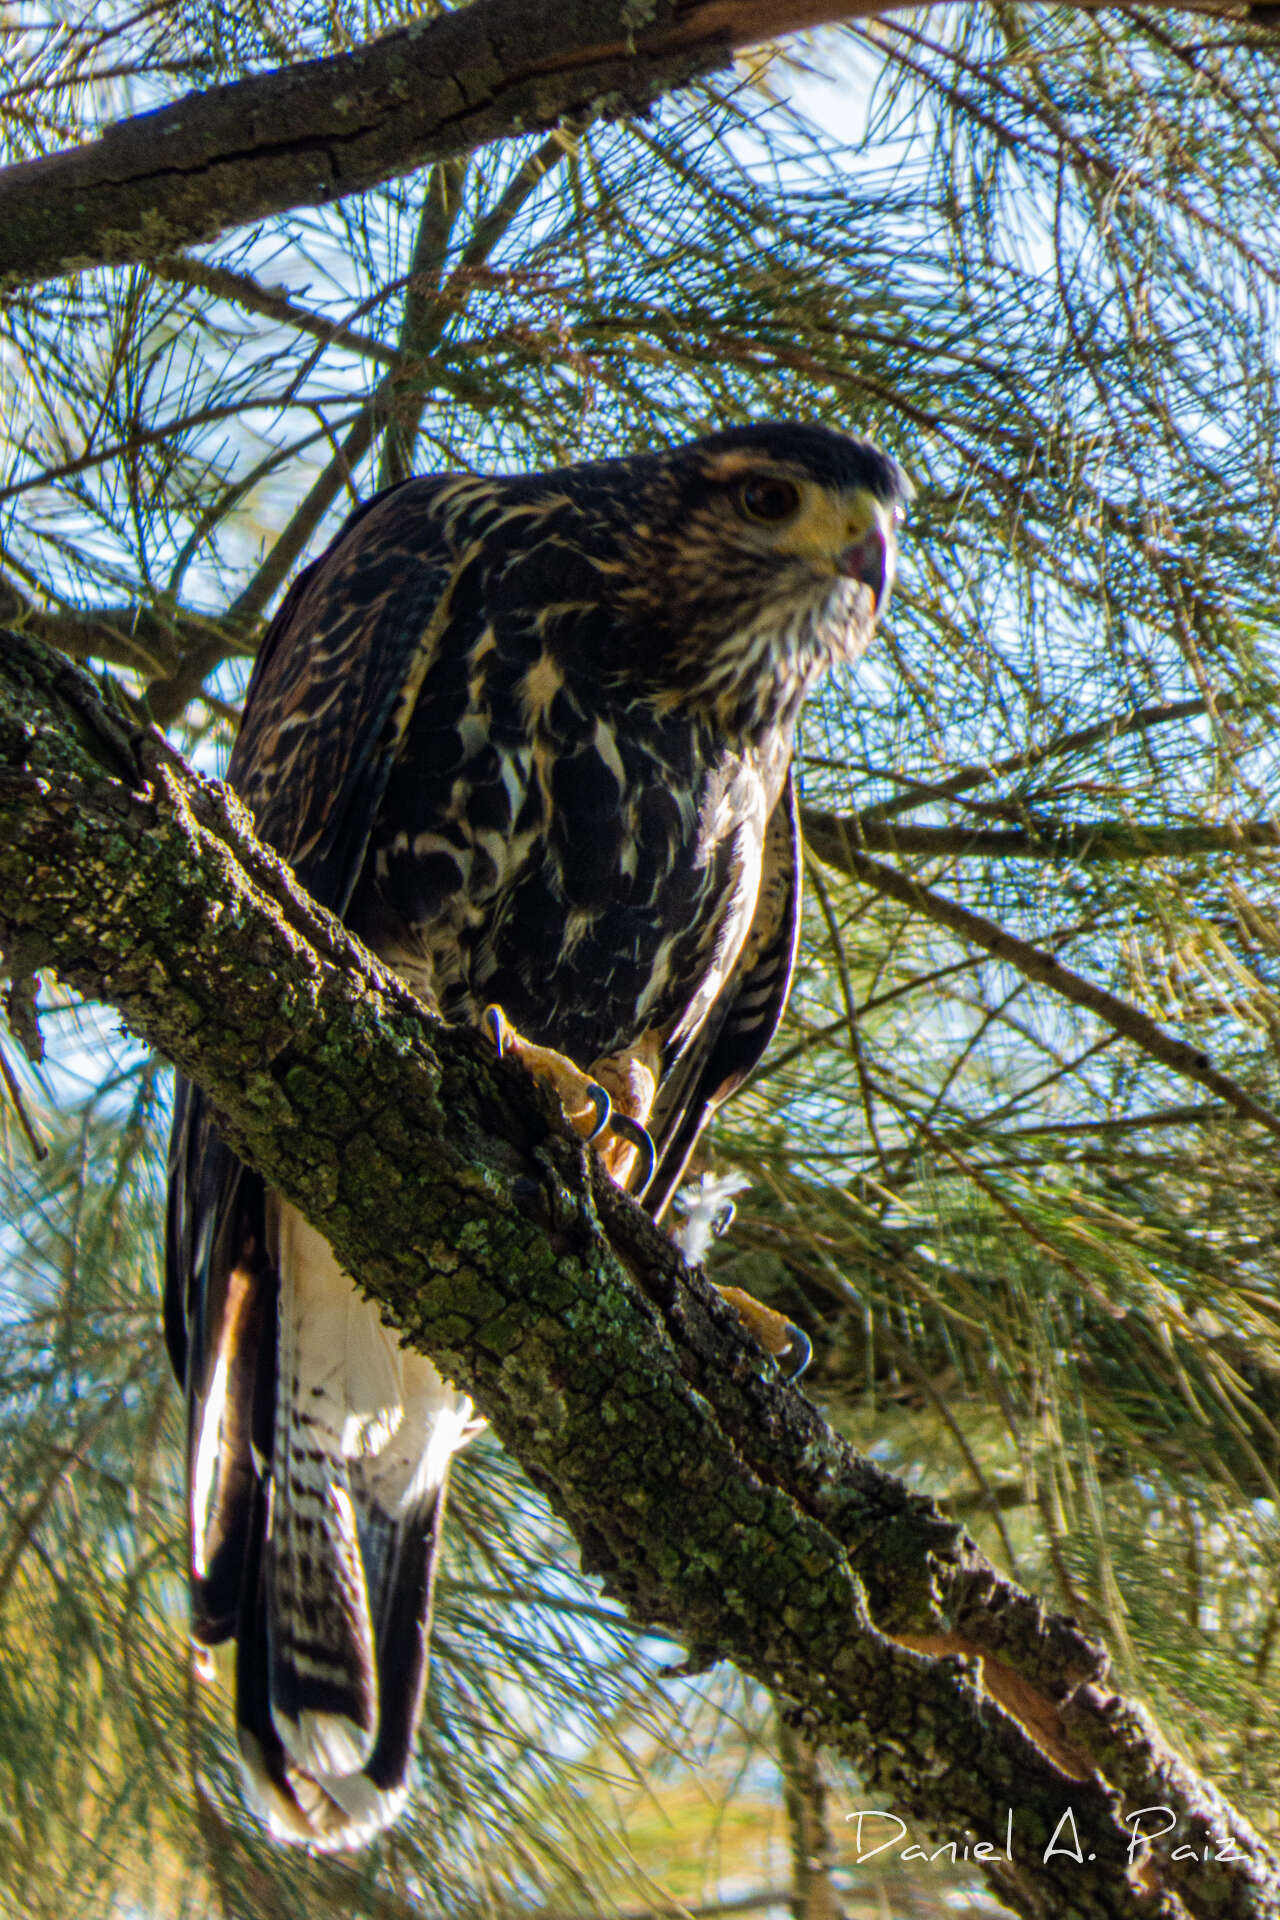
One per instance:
(586, 1104)
(788, 1344)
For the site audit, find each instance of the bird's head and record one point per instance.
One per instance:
(756, 558)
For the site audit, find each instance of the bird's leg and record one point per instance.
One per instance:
(611, 1105)
(631, 1079)
(785, 1342)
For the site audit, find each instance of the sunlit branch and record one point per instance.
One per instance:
(1048, 839)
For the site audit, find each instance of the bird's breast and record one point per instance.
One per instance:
(590, 868)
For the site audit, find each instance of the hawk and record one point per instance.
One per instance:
(530, 737)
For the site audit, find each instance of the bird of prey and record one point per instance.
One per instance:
(530, 737)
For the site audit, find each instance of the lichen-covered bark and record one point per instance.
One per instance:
(710, 1497)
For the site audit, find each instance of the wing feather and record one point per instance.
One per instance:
(220, 1327)
(743, 1018)
(334, 684)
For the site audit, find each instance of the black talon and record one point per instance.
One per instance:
(599, 1098)
(628, 1129)
(797, 1353)
(723, 1220)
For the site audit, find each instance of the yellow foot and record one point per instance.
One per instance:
(588, 1106)
(631, 1080)
(788, 1343)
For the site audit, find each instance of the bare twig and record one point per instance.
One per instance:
(1075, 740)
(1044, 839)
(273, 303)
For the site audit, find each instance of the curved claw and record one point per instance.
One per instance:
(788, 1345)
(587, 1105)
(723, 1220)
(599, 1098)
(795, 1358)
(624, 1128)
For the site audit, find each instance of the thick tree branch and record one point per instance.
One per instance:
(139, 637)
(711, 1497)
(431, 91)
(311, 133)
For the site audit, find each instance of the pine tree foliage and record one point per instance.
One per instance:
(1034, 253)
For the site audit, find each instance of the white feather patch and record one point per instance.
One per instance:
(707, 1207)
(356, 1414)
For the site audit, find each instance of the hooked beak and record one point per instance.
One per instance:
(871, 558)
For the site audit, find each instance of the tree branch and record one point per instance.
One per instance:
(1041, 839)
(1075, 741)
(436, 89)
(711, 1497)
(313, 132)
(272, 303)
(139, 637)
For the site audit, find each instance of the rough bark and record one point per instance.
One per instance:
(711, 1497)
(308, 134)
(311, 133)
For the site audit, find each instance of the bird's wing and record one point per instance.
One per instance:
(219, 1313)
(744, 1016)
(335, 682)
(330, 696)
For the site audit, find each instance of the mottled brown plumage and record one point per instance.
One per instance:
(530, 737)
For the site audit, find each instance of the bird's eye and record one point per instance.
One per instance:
(767, 499)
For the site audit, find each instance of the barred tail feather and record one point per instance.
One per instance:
(335, 1617)
(311, 1806)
